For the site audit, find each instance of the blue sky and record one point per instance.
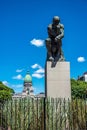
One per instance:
(23, 29)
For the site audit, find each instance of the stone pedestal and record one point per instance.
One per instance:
(57, 82)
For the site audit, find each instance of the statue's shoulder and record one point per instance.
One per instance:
(61, 26)
(49, 26)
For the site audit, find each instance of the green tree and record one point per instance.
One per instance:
(5, 92)
(78, 88)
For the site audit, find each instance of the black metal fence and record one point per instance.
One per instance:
(43, 114)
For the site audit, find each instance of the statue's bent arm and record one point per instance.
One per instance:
(61, 35)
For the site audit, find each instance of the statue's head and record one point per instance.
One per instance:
(56, 20)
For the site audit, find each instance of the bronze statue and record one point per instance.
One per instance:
(54, 42)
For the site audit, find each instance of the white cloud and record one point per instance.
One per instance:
(18, 77)
(37, 42)
(81, 59)
(17, 86)
(5, 83)
(19, 70)
(40, 71)
(38, 75)
(35, 66)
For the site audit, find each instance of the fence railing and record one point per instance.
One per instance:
(43, 114)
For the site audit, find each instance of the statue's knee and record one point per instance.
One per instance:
(48, 43)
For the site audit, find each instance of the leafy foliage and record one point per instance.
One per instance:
(78, 88)
(5, 92)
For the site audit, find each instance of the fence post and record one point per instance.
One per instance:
(86, 110)
(44, 113)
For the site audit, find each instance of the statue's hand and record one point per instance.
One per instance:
(57, 39)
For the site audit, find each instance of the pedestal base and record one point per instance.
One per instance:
(57, 82)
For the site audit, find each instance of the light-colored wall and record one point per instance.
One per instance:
(58, 80)
(85, 77)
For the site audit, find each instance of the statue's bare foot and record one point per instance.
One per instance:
(51, 58)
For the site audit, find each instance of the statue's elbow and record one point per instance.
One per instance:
(62, 35)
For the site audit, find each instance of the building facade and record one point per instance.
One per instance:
(28, 89)
(83, 77)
